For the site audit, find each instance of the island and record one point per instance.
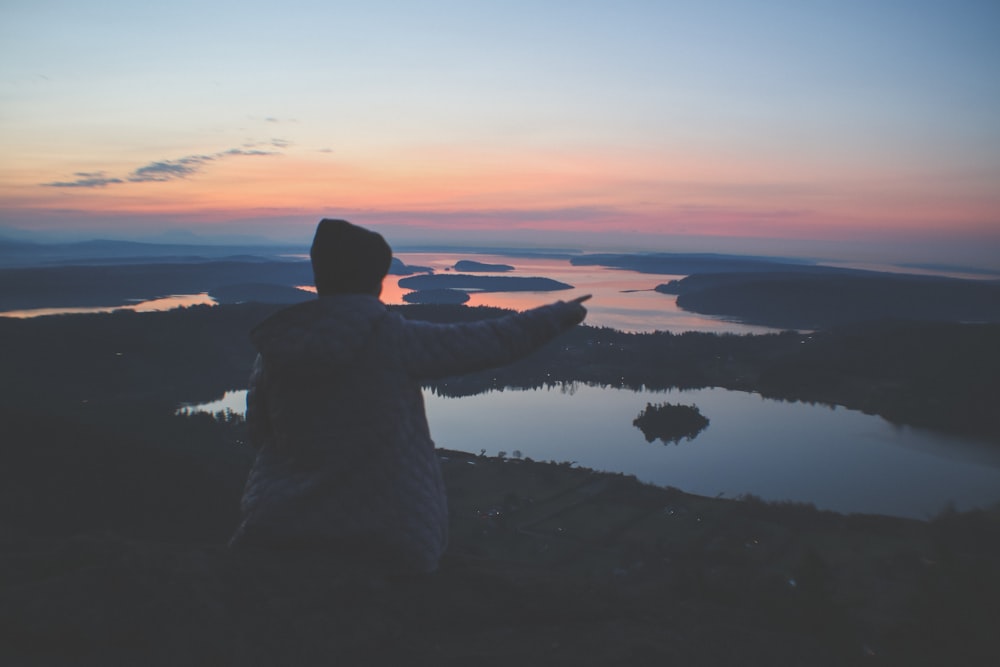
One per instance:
(482, 283)
(456, 296)
(400, 268)
(823, 299)
(473, 266)
(670, 423)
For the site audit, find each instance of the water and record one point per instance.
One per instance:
(622, 299)
(141, 306)
(835, 458)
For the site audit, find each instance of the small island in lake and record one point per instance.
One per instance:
(670, 423)
(475, 267)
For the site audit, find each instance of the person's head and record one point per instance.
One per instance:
(347, 259)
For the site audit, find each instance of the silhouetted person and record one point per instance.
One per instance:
(345, 461)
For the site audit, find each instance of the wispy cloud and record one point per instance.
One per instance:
(169, 170)
(161, 171)
(86, 179)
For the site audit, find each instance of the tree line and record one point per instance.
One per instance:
(936, 375)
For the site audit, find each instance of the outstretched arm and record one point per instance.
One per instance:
(438, 350)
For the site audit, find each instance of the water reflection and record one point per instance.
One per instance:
(623, 300)
(152, 305)
(837, 459)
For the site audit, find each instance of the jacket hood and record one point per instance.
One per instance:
(316, 335)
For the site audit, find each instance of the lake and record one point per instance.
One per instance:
(834, 458)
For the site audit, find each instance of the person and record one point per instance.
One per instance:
(345, 460)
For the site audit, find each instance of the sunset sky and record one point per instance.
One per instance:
(861, 129)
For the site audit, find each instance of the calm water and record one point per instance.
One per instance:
(148, 306)
(623, 300)
(835, 458)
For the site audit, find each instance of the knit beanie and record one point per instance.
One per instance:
(347, 259)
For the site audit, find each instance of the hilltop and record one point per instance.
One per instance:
(548, 564)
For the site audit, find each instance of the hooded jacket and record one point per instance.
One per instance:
(345, 459)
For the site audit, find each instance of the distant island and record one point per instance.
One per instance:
(473, 266)
(819, 300)
(796, 294)
(670, 423)
(454, 296)
(482, 283)
(400, 268)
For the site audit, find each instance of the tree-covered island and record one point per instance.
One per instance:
(668, 422)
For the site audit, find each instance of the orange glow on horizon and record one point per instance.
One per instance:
(561, 192)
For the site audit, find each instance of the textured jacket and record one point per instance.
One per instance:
(344, 456)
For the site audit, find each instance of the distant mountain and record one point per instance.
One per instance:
(103, 251)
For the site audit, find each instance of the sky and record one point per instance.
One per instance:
(859, 129)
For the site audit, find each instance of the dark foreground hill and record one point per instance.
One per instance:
(117, 557)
